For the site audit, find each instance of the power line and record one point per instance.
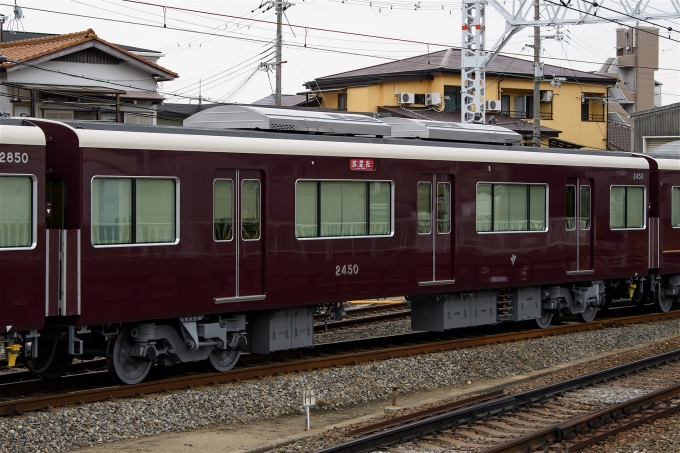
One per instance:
(605, 18)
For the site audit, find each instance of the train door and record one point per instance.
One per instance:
(238, 230)
(579, 228)
(435, 227)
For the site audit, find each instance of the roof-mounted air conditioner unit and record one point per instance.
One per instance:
(406, 98)
(432, 99)
(493, 105)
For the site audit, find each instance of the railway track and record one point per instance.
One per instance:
(96, 386)
(388, 310)
(561, 417)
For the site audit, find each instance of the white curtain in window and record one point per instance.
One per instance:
(617, 207)
(111, 211)
(484, 207)
(381, 200)
(537, 208)
(15, 211)
(354, 209)
(306, 204)
(155, 210)
(635, 207)
(510, 207)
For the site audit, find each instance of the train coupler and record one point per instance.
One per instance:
(12, 351)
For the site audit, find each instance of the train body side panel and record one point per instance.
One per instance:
(22, 255)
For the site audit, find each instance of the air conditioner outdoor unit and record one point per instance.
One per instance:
(433, 99)
(493, 105)
(546, 96)
(406, 98)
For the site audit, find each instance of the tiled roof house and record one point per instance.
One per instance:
(75, 76)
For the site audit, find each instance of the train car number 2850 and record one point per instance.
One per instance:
(347, 269)
(13, 158)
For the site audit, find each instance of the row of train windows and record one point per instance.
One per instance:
(144, 210)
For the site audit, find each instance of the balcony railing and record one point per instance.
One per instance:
(597, 117)
(526, 115)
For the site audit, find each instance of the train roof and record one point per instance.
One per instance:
(176, 138)
(14, 132)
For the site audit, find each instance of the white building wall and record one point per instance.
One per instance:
(122, 76)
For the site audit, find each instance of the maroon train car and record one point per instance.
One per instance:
(184, 244)
(22, 230)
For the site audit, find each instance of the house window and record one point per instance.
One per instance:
(511, 207)
(627, 207)
(342, 101)
(452, 99)
(524, 107)
(505, 104)
(343, 208)
(16, 211)
(132, 118)
(592, 107)
(133, 211)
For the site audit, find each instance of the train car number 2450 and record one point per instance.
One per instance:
(346, 269)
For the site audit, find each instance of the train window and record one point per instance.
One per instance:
(155, 211)
(424, 207)
(342, 208)
(134, 211)
(484, 211)
(250, 210)
(571, 208)
(627, 207)
(675, 208)
(511, 207)
(223, 211)
(306, 209)
(443, 207)
(585, 208)
(379, 209)
(16, 211)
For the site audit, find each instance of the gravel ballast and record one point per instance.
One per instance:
(75, 427)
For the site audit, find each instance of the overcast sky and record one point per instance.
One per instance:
(224, 52)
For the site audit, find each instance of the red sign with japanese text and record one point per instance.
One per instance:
(362, 164)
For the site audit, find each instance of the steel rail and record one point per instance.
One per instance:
(357, 321)
(309, 364)
(623, 416)
(490, 408)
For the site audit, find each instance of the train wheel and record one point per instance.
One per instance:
(662, 302)
(588, 314)
(223, 359)
(545, 320)
(53, 358)
(121, 366)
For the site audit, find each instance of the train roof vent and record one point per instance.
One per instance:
(253, 117)
(459, 132)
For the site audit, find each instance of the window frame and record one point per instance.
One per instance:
(644, 207)
(547, 206)
(374, 236)
(232, 209)
(673, 207)
(429, 183)
(34, 212)
(240, 211)
(143, 244)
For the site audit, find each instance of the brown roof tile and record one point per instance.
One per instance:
(29, 49)
(448, 61)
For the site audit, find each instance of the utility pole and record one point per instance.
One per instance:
(538, 75)
(279, 39)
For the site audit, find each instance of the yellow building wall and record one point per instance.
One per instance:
(566, 102)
